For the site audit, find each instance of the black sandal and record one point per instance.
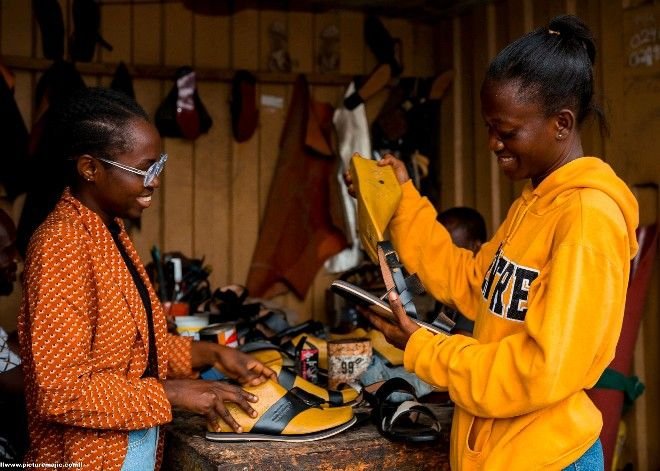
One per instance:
(402, 420)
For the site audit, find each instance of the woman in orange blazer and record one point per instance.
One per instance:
(99, 363)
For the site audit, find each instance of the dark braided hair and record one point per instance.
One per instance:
(92, 121)
(554, 65)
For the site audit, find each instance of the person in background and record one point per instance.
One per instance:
(467, 229)
(101, 372)
(13, 427)
(547, 292)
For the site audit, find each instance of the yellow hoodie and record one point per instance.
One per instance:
(548, 308)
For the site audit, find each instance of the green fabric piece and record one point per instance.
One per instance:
(631, 386)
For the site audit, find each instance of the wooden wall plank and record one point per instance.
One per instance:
(467, 98)
(212, 164)
(443, 58)
(147, 33)
(177, 182)
(211, 192)
(273, 107)
(483, 160)
(320, 23)
(177, 35)
(16, 28)
(245, 156)
(119, 37)
(301, 37)
(211, 39)
(455, 170)
(351, 43)
(421, 63)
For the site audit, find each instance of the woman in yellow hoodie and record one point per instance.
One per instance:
(547, 291)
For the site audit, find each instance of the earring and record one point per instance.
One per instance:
(561, 135)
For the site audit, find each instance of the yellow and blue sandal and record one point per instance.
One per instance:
(313, 393)
(282, 416)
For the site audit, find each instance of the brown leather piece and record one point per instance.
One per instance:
(297, 232)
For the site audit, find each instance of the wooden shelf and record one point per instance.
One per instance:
(168, 72)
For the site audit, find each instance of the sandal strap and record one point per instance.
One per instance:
(286, 378)
(278, 416)
(393, 385)
(405, 409)
(395, 277)
(308, 397)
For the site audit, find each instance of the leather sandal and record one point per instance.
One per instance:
(282, 416)
(401, 420)
(406, 286)
(378, 194)
(311, 392)
(395, 278)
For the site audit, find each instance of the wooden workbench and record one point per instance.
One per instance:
(359, 448)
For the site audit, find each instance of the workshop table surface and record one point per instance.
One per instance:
(359, 448)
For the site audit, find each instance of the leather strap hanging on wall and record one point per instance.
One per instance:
(182, 114)
(244, 112)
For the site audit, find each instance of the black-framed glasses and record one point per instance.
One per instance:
(149, 175)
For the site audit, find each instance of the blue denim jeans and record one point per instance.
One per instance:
(141, 453)
(592, 460)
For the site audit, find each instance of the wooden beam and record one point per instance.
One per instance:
(166, 72)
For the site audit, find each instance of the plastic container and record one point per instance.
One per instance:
(191, 325)
(223, 334)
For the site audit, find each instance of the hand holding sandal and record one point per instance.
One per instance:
(282, 416)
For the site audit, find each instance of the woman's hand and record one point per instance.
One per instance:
(208, 398)
(397, 165)
(397, 334)
(233, 363)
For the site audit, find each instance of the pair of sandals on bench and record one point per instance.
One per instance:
(296, 415)
(294, 409)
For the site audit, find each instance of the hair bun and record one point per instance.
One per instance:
(571, 27)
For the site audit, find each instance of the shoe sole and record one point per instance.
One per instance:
(248, 437)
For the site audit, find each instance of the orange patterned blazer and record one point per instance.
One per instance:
(84, 343)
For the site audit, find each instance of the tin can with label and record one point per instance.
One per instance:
(223, 334)
(347, 360)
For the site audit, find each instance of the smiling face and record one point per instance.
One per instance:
(526, 142)
(114, 192)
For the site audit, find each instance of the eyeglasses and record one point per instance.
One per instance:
(149, 175)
